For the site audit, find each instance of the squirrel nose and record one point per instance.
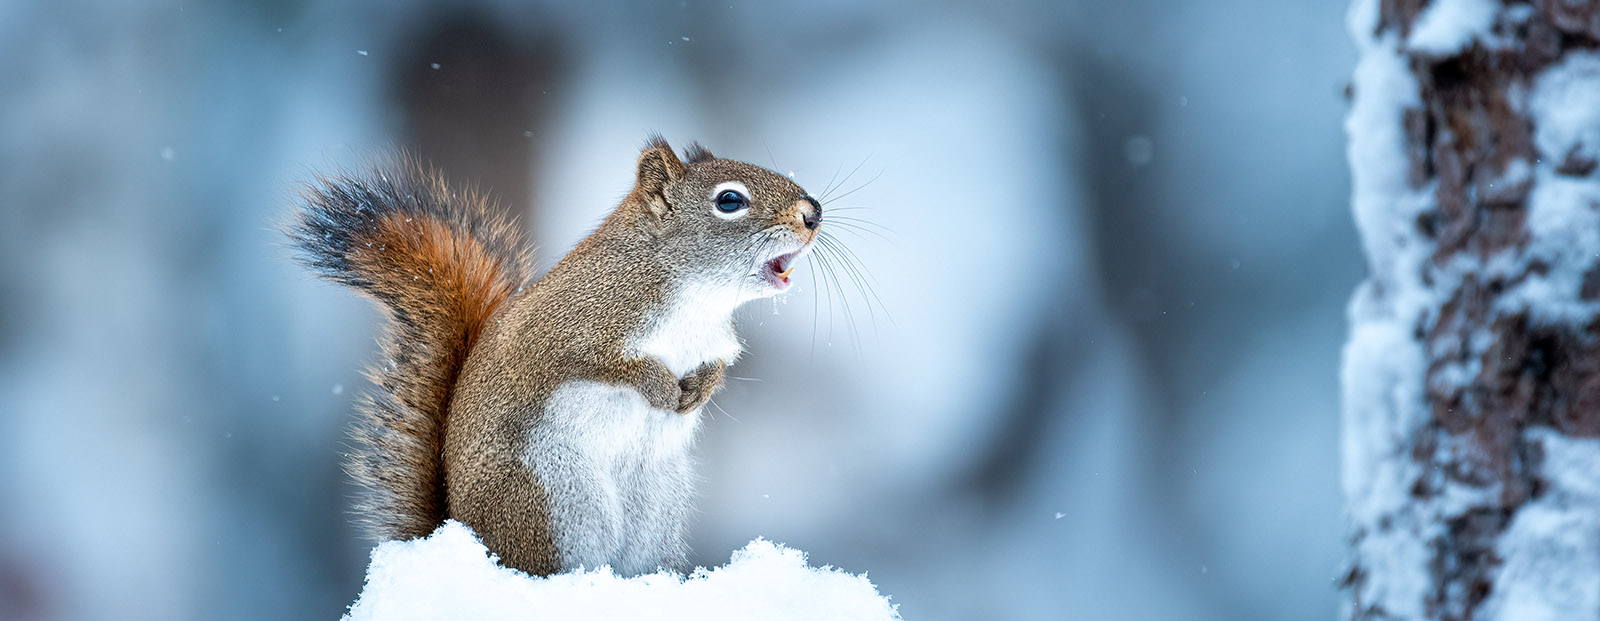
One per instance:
(814, 217)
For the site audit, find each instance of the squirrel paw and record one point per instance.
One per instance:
(698, 387)
(652, 379)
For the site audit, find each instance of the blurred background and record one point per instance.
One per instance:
(1098, 378)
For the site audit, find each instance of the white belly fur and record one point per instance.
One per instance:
(618, 477)
(693, 331)
(617, 472)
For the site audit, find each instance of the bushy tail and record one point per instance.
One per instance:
(439, 261)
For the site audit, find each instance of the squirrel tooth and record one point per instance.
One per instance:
(786, 273)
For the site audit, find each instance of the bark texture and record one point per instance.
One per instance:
(1472, 376)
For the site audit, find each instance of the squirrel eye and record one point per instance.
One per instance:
(730, 201)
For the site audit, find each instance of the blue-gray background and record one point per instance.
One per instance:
(1117, 257)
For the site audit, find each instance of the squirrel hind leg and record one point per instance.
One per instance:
(509, 510)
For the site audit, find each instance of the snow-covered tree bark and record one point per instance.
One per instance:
(1472, 374)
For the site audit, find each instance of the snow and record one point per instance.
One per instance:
(1446, 26)
(1564, 234)
(1550, 552)
(1562, 103)
(1563, 224)
(1552, 548)
(1383, 406)
(451, 575)
(1383, 368)
(1384, 89)
(1383, 398)
(1382, 377)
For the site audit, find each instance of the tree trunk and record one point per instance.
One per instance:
(1472, 374)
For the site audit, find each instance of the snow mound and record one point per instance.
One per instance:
(451, 575)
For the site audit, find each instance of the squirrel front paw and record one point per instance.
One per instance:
(652, 379)
(698, 387)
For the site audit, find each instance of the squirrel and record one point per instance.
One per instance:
(553, 417)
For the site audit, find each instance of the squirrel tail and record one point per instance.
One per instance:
(439, 261)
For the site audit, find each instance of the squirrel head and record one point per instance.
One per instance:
(722, 223)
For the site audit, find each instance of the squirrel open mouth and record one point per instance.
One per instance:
(778, 269)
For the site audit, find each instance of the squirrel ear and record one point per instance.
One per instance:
(658, 166)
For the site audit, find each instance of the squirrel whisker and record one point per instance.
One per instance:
(832, 188)
(855, 189)
(863, 282)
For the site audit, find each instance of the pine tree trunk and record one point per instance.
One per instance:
(1472, 373)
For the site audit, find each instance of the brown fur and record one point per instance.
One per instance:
(439, 262)
(473, 352)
